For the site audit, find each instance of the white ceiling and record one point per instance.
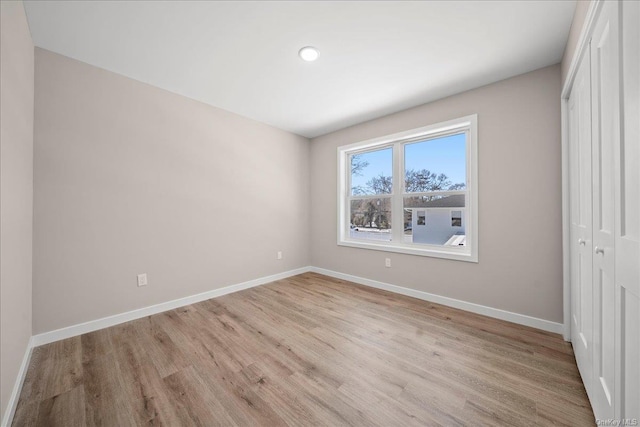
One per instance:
(376, 58)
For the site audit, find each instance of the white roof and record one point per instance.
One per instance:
(457, 240)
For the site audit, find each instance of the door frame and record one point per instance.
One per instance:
(583, 43)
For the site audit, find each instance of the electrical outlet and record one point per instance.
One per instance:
(387, 262)
(279, 255)
(142, 279)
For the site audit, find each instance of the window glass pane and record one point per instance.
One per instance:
(436, 164)
(370, 219)
(456, 218)
(371, 172)
(430, 220)
(408, 226)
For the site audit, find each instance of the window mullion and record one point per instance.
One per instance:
(397, 214)
(436, 193)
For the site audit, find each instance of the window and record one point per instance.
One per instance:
(413, 192)
(456, 218)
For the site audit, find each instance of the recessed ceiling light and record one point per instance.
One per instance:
(309, 53)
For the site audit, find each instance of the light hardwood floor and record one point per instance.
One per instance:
(309, 350)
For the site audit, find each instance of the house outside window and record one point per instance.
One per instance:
(456, 218)
(413, 192)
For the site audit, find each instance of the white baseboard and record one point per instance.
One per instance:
(17, 387)
(496, 313)
(105, 322)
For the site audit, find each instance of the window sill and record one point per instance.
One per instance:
(427, 251)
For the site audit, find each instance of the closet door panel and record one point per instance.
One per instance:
(628, 406)
(627, 235)
(580, 219)
(628, 154)
(605, 131)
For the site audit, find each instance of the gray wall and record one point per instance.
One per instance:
(582, 6)
(133, 179)
(16, 192)
(520, 254)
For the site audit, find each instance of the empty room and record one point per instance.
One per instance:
(320, 213)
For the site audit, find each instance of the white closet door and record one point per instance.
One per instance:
(606, 135)
(580, 219)
(627, 234)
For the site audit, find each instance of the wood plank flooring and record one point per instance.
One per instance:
(308, 350)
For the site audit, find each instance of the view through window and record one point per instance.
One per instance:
(411, 194)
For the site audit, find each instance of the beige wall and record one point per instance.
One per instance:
(16, 192)
(520, 252)
(133, 179)
(582, 6)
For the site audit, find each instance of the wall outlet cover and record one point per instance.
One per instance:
(142, 279)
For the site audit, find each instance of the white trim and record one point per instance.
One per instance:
(496, 313)
(371, 196)
(472, 231)
(105, 322)
(566, 224)
(7, 419)
(457, 253)
(430, 131)
(442, 193)
(397, 221)
(581, 46)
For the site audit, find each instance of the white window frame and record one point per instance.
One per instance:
(467, 124)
